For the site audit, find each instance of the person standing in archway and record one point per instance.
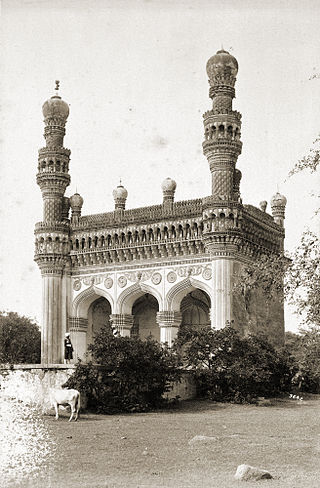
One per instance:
(68, 349)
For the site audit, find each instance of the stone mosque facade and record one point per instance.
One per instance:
(148, 271)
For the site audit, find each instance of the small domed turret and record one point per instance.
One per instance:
(76, 202)
(168, 188)
(278, 205)
(263, 205)
(168, 185)
(120, 196)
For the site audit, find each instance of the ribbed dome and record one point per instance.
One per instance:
(278, 200)
(222, 63)
(55, 107)
(120, 192)
(168, 185)
(76, 201)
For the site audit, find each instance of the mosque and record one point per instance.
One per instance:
(148, 271)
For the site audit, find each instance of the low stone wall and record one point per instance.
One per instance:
(31, 383)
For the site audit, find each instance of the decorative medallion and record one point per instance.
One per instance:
(207, 273)
(87, 280)
(171, 277)
(122, 281)
(189, 271)
(108, 282)
(156, 278)
(77, 285)
(138, 275)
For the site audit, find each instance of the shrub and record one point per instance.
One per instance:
(230, 368)
(131, 375)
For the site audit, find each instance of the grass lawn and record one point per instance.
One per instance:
(153, 450)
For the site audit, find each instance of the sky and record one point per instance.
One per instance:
(133, 73)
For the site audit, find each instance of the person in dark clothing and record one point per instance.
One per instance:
(68, 349)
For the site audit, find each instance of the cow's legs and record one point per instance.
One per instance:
(56, 409)
(72, 411)
(77, 407)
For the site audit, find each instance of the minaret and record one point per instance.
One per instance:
(222, 125)
(52, 242)
(222, 210)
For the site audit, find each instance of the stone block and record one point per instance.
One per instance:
(248, 473)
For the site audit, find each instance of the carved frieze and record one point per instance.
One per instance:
(138, 275)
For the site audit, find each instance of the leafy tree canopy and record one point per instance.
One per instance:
(20, 339)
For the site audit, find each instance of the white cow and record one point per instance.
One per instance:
(65, 397)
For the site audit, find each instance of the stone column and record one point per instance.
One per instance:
(51, 347)
(78, 328)
(122, 322)
(169, 323)
(221, 311)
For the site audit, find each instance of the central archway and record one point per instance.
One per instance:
(195, 309)
(98, 317)
(145, 310)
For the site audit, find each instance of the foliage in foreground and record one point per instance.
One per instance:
(129, 375)
(228, 367)
(305, 349)
(20, 339)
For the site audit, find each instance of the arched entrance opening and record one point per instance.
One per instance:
(145, 310)
(195, 309)
(98, 317)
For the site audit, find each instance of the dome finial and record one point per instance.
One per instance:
(57, 87)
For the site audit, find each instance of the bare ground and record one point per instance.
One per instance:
(153, 450)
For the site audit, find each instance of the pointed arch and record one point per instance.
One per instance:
(82, 302)
(181, 289)
(129, 296)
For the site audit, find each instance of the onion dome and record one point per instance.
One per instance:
(120, 192)
(120, 195)
(220, 65)
(168, 185)
(55, 108)
(76, 201)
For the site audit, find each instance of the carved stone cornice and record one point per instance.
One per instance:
(78, 324)
(53, 226)
(51, 264)
(169, 318)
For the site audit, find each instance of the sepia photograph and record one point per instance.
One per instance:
(160, 243)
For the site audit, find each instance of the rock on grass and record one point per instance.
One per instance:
(245, 473)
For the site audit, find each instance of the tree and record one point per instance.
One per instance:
(305, 349)
(20, 339)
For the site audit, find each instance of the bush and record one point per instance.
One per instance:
(131, 375)
(230, 368)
